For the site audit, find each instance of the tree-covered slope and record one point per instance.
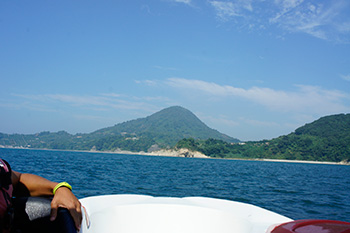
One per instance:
(57, 140)
(167, 127)
(336, 126)
(327, 139)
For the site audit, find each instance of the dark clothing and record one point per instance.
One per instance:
(32, 215)
(28, 214)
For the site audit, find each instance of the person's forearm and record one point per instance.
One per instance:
(33, 185)
(36, 185)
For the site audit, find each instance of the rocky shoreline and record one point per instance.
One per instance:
(180, 153)
(185, 153)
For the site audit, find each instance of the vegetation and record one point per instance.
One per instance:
(327, 139)
(160, 130)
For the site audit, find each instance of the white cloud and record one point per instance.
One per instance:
(305, 99)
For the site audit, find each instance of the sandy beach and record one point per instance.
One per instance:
(302, 161)
(195, 154)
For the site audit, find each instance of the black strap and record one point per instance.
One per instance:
(5, 174)
(32, 215)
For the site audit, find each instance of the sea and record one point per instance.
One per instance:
(295, 190)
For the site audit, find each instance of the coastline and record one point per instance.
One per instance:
(302, 161)
(185, 153)
(163, 152)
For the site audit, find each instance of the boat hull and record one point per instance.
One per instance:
(141, 213)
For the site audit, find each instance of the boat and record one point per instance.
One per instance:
(147, 214)
(123, 213)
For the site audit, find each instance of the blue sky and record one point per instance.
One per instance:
(252, 69)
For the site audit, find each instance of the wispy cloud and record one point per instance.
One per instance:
(164, 68)
(345, 77)
(102, 102)
(188, 2)
(319, 20)
(328, 20)
(183, 1)
(255, 122)
(227, 10)
(285, 6)
(219, 119)
(147, 82)
(310, 99)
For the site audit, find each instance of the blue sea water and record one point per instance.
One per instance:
(296, 190)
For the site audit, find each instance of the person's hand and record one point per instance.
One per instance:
(65, 198)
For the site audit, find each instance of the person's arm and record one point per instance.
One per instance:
(39, 186)
(32, 184)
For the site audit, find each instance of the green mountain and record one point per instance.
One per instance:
(326, 139)
(335, 126)
(160, 130)
(167, 127)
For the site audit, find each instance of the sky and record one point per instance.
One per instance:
(252, 69)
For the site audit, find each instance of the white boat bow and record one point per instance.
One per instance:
(148, 214)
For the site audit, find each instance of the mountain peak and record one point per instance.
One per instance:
(168, 126)
(160, 130)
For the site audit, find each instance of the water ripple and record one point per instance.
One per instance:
(295, 190)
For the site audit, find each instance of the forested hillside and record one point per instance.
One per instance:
(327, 139)
(162, 129)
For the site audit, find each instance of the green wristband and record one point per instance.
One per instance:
(62, 184)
